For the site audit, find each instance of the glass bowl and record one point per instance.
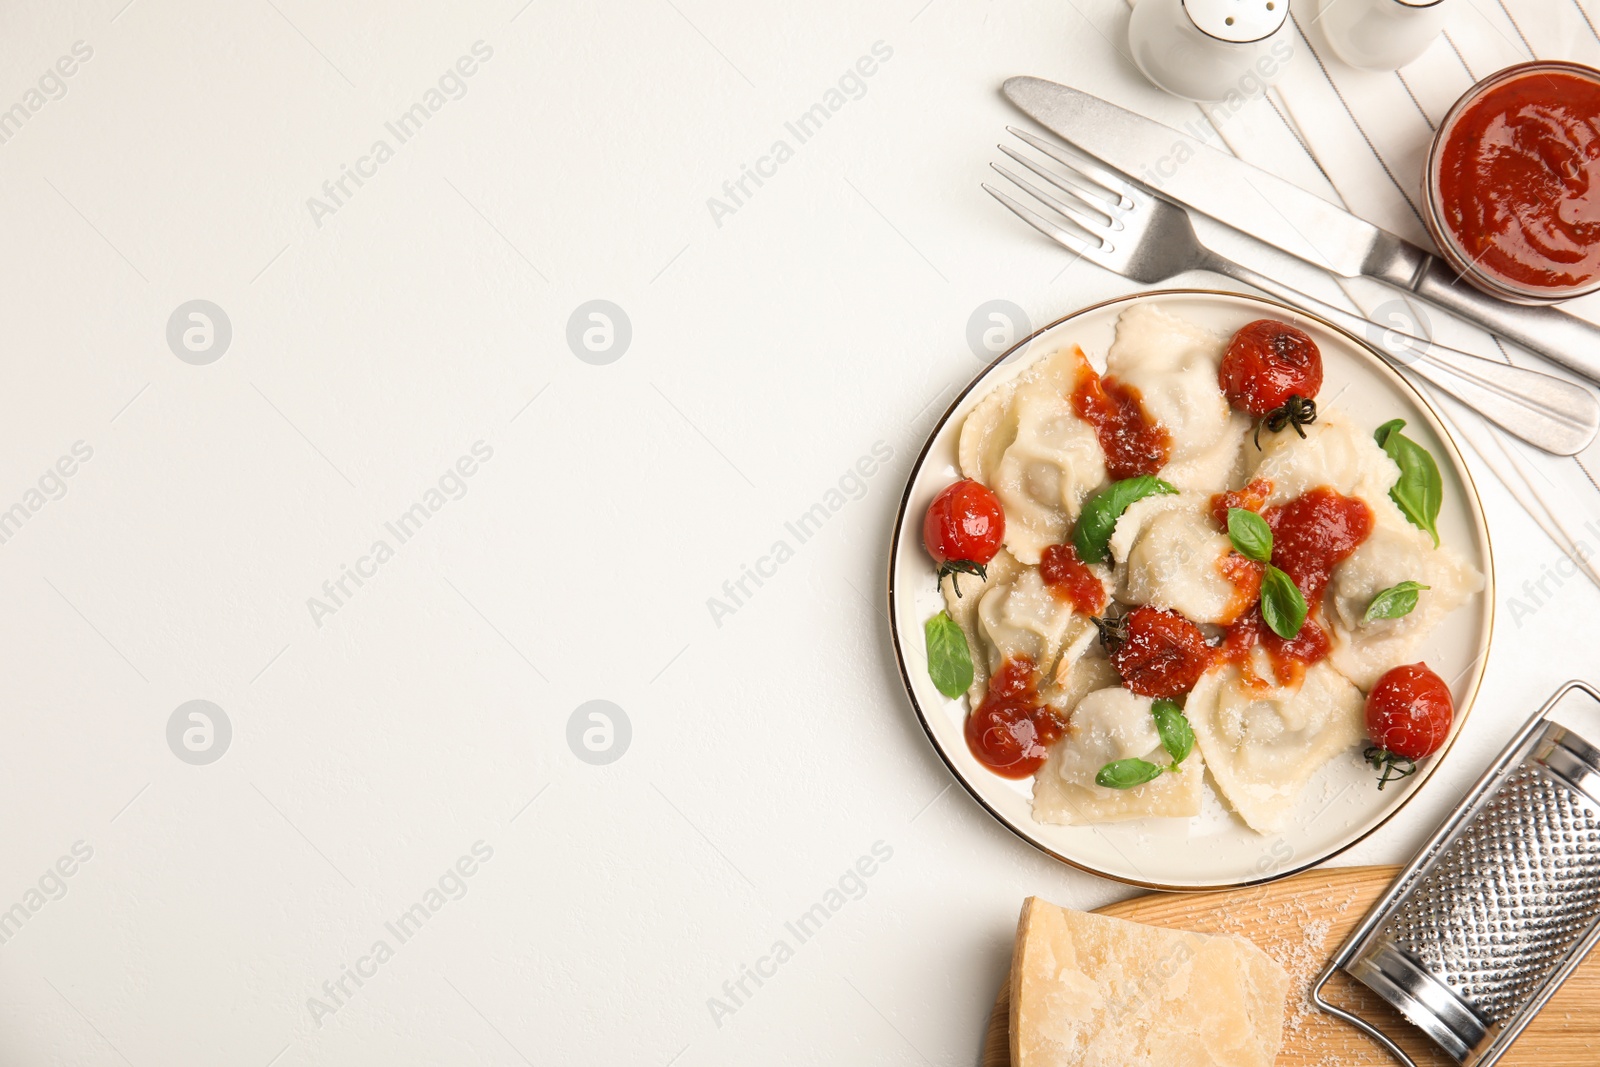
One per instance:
(1468, 265)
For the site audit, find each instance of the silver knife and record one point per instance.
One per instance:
(1196, 176)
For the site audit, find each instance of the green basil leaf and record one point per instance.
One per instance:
(1394, 602)
(949, 661)
(1250, 534)
(1282, 604)
(1127, 773)
(1101, 512)
(1420, 491)
(1177, 736)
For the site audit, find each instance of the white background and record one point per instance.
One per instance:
(429, 312)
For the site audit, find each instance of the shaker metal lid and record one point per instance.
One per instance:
(1236, 21)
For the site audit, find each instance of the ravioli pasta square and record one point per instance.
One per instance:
(1001, 571)
(1024, 618)
(1107, 725)
(1394, 552)
(1011, 613)
(1263, 742)
(1025, 442)
(1335, 453)
(1171, 554)
(1338, 454)
(1174, 365)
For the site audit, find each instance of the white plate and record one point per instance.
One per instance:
(1342, 803)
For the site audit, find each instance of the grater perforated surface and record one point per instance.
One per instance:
(1510, 897)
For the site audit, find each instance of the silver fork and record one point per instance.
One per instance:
(1127, 229)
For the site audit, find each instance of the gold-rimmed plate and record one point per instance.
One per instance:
(1215, 849)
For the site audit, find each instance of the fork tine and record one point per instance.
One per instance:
(1085, 188)
(1074, 192)
(1092, 227)
(1061, 237)
(1110, 180)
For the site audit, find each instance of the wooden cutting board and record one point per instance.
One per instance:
(1301, 922)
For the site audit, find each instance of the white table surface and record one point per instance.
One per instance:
(428, 312)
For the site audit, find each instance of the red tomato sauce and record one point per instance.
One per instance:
(1070, 579)
(1519, 180)
(1011, 732)
(1251, 497)
(1133, 442)
(1289, 659)
(1311, 535)
(1314, 533)
(1245, 576)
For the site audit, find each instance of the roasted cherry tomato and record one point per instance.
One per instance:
(1158, 653)
(963, 529)
(1409, 712)
(1273, 371)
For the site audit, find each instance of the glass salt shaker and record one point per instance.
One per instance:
(1211, 49)
(1383, 34)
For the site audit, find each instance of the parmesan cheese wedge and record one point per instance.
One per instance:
(1093, 991)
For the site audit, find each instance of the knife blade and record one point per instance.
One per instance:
(1197, 177)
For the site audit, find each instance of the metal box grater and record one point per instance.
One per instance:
(1497, 909)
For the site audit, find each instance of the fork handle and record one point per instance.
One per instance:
(1549, 413)
(1549, 331)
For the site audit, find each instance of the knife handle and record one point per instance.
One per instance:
(1546, 331)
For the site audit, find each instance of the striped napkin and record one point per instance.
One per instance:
(1360, 138)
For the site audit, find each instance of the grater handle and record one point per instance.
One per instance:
(1355, 1020)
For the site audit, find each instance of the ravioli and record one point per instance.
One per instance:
(1108, 725)
(1263, 743)
(1025, 442)
(1170, 554)
(1013, 613)
(1001, 571)
(1174, 365)
(1335, 453)
(1394, 552)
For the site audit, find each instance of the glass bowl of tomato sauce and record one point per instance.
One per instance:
(1513, 183)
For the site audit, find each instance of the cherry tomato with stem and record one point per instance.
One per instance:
(1272, 370)
(963, 530)
(1409, 714)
